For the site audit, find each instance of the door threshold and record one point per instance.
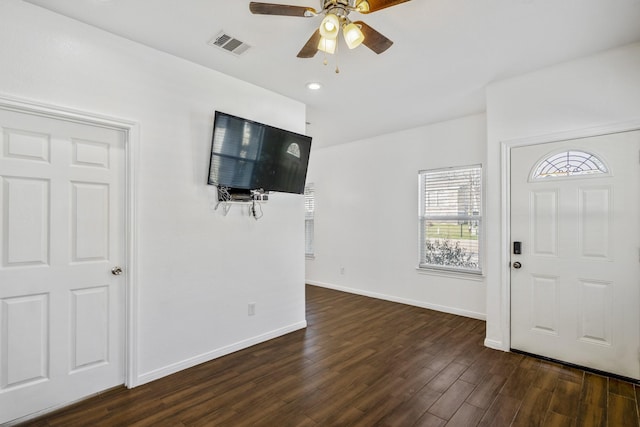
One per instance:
(572, 365)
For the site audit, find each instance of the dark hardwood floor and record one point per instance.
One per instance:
(366, 362)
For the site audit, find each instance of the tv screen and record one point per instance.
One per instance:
(248, 155)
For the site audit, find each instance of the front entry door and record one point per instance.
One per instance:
(575, 284)
(62, 229)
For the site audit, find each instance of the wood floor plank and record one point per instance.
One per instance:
(546, 379)
(374, 415)
(594, 390)
(558, 420)
(365, 362)
(470, 352)
(430, 420)
(501, 412)
(506, 364)
(467, 416)
(621, 388)
(566, 399)
(637, 393)
(487, 391)
(622, 411)
(320, 405)
(572, 374)
(519, 382)
(446, 377)
(447, 405)
(479, 368)
(592, 416)
(411, 410)
(533, 408)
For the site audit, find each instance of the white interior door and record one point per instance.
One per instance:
(575, 208)
(62, 228)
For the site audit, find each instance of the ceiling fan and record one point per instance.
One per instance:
(336, 16)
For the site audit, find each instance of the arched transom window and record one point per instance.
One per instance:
(569, 163)
(294, 150)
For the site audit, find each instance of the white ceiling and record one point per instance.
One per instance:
(445, 52)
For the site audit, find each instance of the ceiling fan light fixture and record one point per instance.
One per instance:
(363, 6)
(330, 26)
(327, 45)
(352, 35)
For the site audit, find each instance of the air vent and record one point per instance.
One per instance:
(229, 43)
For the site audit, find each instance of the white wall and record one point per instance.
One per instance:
(194, 283)
(573, 97)
(366, 218)
(198, 270)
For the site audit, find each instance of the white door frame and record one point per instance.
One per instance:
(131, 132)
(505, 211)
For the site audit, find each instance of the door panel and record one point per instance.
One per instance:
(26, 145)
(594, 219)
(576, 296)
(90, 222)
(595, 312)
(62, 225)
(25, 339)
(26, 223)
(544, 224)
(544, 307)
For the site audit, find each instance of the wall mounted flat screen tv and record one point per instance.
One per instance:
(247, 155)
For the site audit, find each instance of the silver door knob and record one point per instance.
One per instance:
(517, 265)
(116, 271)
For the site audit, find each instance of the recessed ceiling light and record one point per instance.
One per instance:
(314, 86)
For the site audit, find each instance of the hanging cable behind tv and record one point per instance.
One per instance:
(253, 198)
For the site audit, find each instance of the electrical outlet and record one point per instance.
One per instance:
(252, 309)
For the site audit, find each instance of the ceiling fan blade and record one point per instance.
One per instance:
(370, 6)
(373, 39)
(311, 46)
(281, 9)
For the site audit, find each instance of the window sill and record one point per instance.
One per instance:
(476, 277)
(310, 257)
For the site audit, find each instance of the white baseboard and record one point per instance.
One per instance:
(214, 354)
(494, 344)
(422, 304)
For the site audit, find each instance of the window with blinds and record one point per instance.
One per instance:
(309, 209)
(450, 219)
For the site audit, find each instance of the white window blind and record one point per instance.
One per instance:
(450, 219)
(309, 210)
